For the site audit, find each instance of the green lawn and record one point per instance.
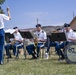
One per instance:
(40, 66)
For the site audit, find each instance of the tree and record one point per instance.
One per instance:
(1, 2)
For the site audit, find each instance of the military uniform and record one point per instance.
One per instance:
(69, 34)
(41, 35)
(15, 47)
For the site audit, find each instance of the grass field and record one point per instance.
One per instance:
(40, 66)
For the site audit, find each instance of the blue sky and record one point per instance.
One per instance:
(49, 12)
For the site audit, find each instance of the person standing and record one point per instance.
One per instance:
(2, 18)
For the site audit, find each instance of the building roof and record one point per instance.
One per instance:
(73, 20)
(73, 23)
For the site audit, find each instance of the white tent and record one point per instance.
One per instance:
(11, 31)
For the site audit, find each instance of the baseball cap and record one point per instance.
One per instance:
(66, 25)
(15, 27)
(38, 25)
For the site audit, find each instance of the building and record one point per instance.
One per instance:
(73, 23)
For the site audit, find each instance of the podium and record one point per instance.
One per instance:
(61, 36)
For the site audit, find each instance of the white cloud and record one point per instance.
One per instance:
(37, 14)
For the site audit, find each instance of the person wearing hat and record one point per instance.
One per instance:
(41, 39)
(59, 30)
(51, 43)
(2, 18)
(71, 37)
(16, 45)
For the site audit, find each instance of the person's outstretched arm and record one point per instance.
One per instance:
(8, 12)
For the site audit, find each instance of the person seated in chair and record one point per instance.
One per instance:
(71, 37)
(16, 44)
(52, 43)
(39, 42)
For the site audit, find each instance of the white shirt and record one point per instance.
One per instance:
(71, 34)
(2, 18)
(18, 36)
(41, 35)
